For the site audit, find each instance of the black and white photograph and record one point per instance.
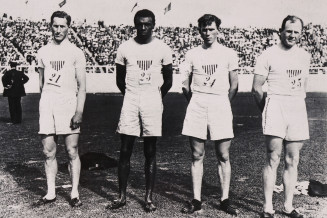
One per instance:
(163, 108)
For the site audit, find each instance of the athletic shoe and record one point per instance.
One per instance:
(192, 207)
(225, 206)
(116, 204)
(267, 215)
(293, 214)
(75, 202)
(43, 201)
(149, 207)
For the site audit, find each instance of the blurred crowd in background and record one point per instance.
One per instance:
(21, 39)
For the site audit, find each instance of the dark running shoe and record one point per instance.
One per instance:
(293, 214)
(267, 215)
(149, 207)
(116, 204)
(43, 201)
(225, 206)
(75, 202)
(192, 207)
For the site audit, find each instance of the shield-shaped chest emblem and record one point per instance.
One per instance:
(57, 65)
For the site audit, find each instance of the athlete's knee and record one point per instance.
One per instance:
(150, 153)
(223, 157)
(198, 155)
(50, 154)
(291, 160)
(273, 159)
(72, 152)
(125, 153)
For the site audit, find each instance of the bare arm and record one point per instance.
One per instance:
(41, 78)
(167, 74)
(233, 83)
(187, 93)
(260, 98)
(81, 96)
(24, 78)
(187, 81)
(120, 77)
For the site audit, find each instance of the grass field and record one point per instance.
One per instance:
(22, 177)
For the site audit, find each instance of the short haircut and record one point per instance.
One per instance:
(61, 14)
(291, 18)
(145, 13)
(207, 19)
(13, 64)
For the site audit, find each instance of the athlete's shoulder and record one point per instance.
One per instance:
(44, 47)
(272, 49)
(161, 46)
(225, 50)
(195, 50)
(127, 43)
(159, 42)
(270, 52)
(71, 46)
(303, 52)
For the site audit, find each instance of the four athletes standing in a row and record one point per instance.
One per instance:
(210, 82)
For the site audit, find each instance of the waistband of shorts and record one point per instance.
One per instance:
(210, 95)
(287, 97)
(54, 93)
(209, 98)
(149, 91)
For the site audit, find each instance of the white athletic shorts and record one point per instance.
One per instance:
(208, 116)
(56, 112)
(285, 117)
(141, 114)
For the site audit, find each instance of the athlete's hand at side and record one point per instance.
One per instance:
(76, 120)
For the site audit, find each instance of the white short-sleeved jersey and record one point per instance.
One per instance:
(60, 63)
(209, 68)
(286, 70)
(143, 64)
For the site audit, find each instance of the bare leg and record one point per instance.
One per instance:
(126, 150)
(198, 152)
(224, 167)
(51, 168)
(292, 156)
(150, 166)
(274, 147)
(74, 167)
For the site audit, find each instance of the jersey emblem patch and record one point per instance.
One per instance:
(210, 68)
(144, 64)
(57, 65)
(293, 73)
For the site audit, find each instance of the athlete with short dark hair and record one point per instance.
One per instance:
(209, 85)
(62, 72)
(144, 76)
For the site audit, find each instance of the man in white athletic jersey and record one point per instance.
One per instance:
(144, 76)
(62, 85)
(210, 83)
(285, 67)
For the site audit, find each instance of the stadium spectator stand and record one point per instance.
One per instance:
(20, 40)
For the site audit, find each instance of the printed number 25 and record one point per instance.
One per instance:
(297, 83)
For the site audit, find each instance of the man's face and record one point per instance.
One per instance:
(144, 27)
(59, 29)
(291, 33)
(209, 33)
